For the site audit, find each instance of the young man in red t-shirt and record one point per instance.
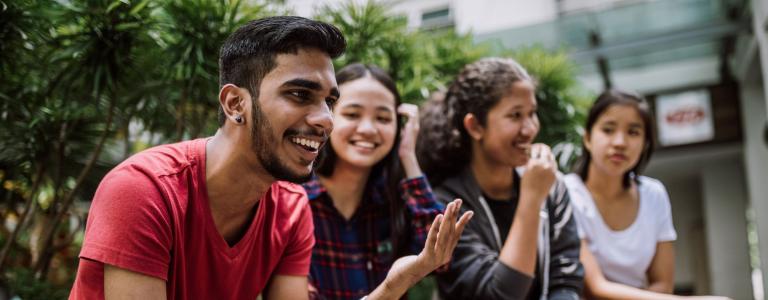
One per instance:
(217, 218)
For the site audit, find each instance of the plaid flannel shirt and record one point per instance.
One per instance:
(352, 257)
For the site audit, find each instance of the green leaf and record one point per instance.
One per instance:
(135, 10)
(114, 5)
(127, 26)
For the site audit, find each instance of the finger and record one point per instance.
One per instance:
(463, 221)
(456, 207)
(454, 213)
(453, 216)
(408, 110)
(412, 124)
(447, 226)
(460, 228)
(535, 151)
(553, 161)
(546, 153)
(433, 232)
(411, 112)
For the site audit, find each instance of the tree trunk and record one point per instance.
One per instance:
(41, 268)
(127, 139)
(181, 115)
(28, 207)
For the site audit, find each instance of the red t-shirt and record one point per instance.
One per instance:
(151, 215)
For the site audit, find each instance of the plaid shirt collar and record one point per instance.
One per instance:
(315, 189)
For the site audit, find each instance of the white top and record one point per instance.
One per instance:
(624, 256)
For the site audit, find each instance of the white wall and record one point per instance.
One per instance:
(482, 16)
(691, 264)
(725, 202)
(479, 16)
(413, 9)
(682, 172)
(569, 6)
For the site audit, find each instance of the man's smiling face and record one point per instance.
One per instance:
(291, 118)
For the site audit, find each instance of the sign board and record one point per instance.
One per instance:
(684, 118)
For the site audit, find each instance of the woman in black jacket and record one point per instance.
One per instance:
(476, 142)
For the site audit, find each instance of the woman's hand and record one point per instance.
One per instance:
(443, 237)
(540, 174)
(408, 136)
(438, 250)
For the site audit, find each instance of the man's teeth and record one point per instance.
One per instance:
(365, 144)
(306, 142)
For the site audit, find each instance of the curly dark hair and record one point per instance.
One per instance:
(604, 101)
(444, 146)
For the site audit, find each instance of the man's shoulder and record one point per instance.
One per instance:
(164, 159)
(142, 174)
(289, 195)
(289, 187)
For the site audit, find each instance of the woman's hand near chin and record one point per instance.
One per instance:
(540, 174)
(408, 137)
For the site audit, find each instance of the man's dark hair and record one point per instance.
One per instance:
(249, 53)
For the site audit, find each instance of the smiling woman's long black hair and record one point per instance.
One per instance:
(388, 168)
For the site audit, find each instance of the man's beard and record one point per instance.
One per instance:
(263, 144)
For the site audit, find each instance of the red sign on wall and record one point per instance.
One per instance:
(684, 118)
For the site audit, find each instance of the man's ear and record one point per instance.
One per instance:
(233, 101)
(473, 127)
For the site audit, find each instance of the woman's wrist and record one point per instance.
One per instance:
(411, 166)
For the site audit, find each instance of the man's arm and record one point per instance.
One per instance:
(287, 287)
(123, 284)
(438, 250)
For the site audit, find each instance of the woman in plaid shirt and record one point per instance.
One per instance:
(371, 204)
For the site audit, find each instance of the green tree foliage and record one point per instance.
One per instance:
(562, 104)
(86, 83)
(76, 76)
(193, 31)
(420, 62)
(60, 113)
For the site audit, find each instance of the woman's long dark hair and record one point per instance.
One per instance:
(387, 169)
(444, 146)
(603, 102)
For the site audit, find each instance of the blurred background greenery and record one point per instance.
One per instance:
(84, 84)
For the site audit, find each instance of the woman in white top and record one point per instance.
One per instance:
(624, 219)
